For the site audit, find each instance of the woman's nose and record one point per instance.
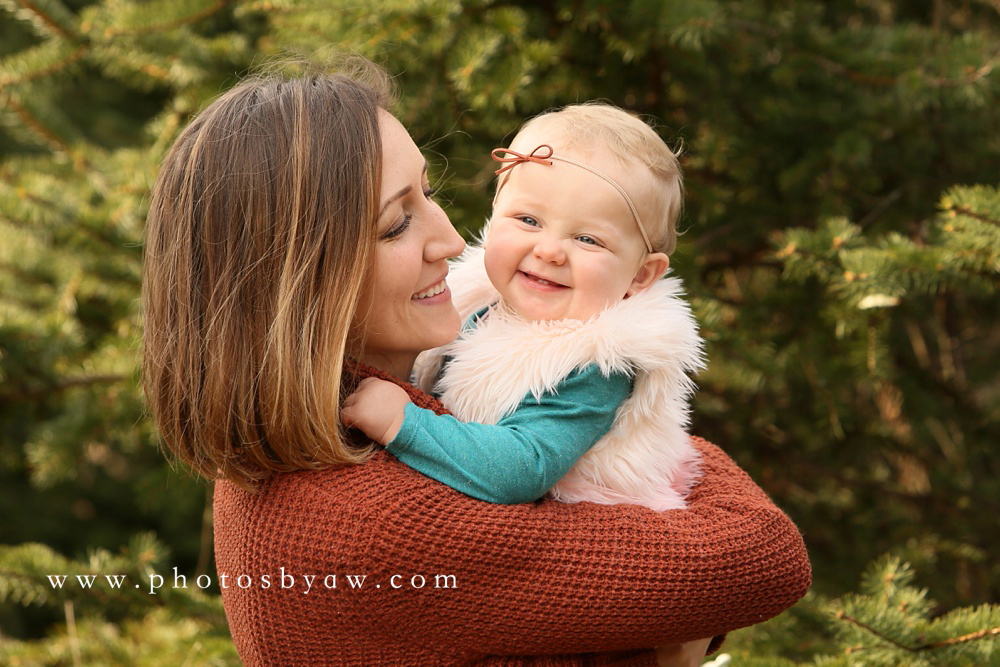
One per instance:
(445, 241)
(550, 250)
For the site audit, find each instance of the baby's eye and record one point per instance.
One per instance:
(589, 240)
(528, 220)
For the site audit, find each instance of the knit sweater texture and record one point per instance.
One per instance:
(534, 584)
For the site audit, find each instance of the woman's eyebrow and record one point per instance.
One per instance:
(399, 195)
(402, 192)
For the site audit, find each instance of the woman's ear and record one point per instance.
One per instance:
(653, 267)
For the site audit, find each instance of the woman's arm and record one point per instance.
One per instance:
(548, 577)
(552, 578)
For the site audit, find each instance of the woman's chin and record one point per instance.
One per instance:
(439, 325)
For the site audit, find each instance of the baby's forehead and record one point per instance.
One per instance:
(633, 175)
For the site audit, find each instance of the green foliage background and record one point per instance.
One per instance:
(841, 251)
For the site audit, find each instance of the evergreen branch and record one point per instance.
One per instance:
(170, 25)
(830, 65)
(54, 67)
(971, 637)
(51, 23)
(21, 588)
(842, 616)
(33, 123)
(839, 69)
(968, 212)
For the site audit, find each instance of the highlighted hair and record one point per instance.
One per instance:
(260, 233)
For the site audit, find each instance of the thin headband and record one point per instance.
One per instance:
(547, 158)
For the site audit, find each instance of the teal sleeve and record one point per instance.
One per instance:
(522, 456)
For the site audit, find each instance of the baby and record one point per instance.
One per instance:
(571, 376)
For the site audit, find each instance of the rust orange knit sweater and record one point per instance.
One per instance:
(450, 580)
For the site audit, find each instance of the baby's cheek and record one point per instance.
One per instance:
(496, 259)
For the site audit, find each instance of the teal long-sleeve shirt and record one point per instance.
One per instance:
(522, 456)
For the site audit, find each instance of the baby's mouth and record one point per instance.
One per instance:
(541, 281)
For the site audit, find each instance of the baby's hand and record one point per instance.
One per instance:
(375, 407)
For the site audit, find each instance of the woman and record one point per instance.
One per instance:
(293, 247)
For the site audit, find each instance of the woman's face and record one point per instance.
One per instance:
(407, 309)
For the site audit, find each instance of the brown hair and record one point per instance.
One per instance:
(631, 142)
(260, 232)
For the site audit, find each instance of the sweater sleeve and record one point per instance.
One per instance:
(522, 456)
(548, 577)
(551, 583)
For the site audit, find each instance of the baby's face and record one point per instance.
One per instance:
(562, 242)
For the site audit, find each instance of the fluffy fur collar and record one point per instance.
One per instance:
(646, 458)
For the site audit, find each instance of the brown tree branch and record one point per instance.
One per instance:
(971, 637)
(33, 123)
(963, 210)
(840, 615)
(46, 19)
(54, 67)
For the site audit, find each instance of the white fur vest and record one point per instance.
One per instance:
(646, 458)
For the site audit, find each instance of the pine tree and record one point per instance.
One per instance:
(116, 612)
(889, 623)
(90, 97)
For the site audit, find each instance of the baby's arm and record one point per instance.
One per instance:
(377, 408)
(516, 460)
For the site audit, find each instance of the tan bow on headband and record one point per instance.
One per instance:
(520, 157)
(546, 157)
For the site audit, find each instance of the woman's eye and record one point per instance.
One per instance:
(397, 229)
(430, 192)
(528, 220)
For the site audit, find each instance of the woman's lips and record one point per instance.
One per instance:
(436, 293)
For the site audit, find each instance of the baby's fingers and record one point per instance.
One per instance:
(347, 416)
(359, 391)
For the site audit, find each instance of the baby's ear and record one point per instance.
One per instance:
(652, 269)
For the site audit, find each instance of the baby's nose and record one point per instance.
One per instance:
(550, 250)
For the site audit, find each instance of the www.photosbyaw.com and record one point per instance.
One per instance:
(302, 583)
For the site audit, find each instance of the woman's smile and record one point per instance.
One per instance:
(436, 293)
